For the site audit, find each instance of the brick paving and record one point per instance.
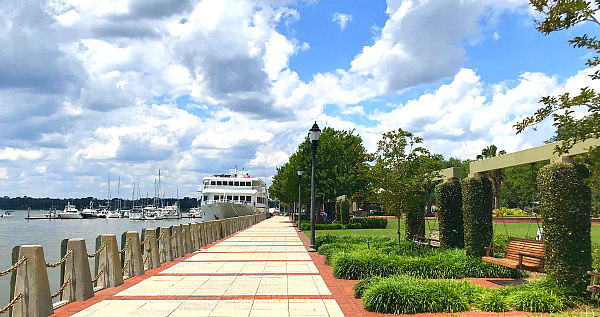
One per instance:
(264, 270)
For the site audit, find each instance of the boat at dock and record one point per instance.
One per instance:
(195, 212)
(7, 214)
(89, 212)
(70, 212)
(233, 195)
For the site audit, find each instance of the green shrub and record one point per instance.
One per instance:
(323, 226)
(535, 300)
(338, 211)
(353, 225)
(363, 284)
(565, 203)
(370, 222)
(407, 295)
(477, 214)
(493, 301)
(415, 221)
(450, 215)
(345, 212)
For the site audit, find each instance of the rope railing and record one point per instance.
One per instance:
(146, 258)
(62, 288)
(63, 260)
(11, 303)
(97, 251)
(126, 246)
(160, 236)
(95, 279)
(14, 266)
(125, 266)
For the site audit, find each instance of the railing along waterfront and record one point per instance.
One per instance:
(30, 288)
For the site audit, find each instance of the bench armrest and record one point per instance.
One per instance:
(488, 251)
(521, 254)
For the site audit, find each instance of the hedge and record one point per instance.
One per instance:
(323, 226)
(345, 211)
(369, 222)
(415, 221)
(338, 211)
(565, 203)
(450, 215)
(477, 202)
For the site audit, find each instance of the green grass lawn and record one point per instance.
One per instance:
(522, 230)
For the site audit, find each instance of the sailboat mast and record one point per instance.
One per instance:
(108, 202)
(119, 193)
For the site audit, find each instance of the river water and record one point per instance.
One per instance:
(49, 233)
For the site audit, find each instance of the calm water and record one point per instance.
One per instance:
(49, 233)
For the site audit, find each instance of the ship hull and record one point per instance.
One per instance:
(222, 210)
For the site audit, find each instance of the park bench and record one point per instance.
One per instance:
(522, 254)
(594, 287)
(433, 241)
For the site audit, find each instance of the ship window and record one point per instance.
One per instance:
(205, 198)
(216, 197)
(213, 183)
(228, 197)
(219, 183)
(236, 198)
(230, 183)
(248, 198)
(236, 184)
(248, 184)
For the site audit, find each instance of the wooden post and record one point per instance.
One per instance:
(187, 238)
(31, 281)
(133, 254)
(164, 245)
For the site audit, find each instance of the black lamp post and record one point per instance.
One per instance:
(300, 171)
(314, 133)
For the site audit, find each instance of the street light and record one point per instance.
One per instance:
(300, 171)
(314, 133)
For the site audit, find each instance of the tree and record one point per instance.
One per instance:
(495, 175)
(342, 169)
(561, 15)
(402, 170)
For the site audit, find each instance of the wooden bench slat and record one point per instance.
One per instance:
(530, 254)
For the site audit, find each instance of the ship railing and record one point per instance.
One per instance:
(30, 287)
(232, 187)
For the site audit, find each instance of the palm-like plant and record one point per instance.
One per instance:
(495, 175)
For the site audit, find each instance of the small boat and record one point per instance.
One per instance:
(136, 213)
(7, 214)
(89, 212)
(70, 212)
(113, 214)
(195, 212)
(171, 212)
(51, 214)
(152, 213)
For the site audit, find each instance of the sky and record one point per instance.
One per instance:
(194, 88)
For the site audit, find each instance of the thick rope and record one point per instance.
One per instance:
(99, 274)
(64, 258)
(14, 267)
(126, 246)
(147, 258)
(97, 251)
(62, 288)
(11, 304)
(125, 267)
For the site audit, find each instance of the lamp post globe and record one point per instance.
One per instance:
(313, 134)
(300, 172)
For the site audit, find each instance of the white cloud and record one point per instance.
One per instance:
(3, 173)
(342, 19)
(18, 154)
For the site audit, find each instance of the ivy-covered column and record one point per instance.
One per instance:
(565, 203)
(415, 221)
(477, 202)
(450, 214)
(345, 212)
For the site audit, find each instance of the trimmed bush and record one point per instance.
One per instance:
(565, 203)
(363, 284)
(535, 300)
(338, 211)
(353, 225)
(477, 201)
(407, 295)
(450, 215)
(415, 221)
(370, 222)
(345, 212)
(493, 301)
(323, 226)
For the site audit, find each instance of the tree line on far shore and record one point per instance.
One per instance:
(22, 203)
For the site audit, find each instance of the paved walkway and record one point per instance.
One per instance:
(264, 270)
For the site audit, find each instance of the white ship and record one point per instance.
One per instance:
(233, 195)
(70, 212)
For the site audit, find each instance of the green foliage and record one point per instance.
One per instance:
(323, 226)
(450, 215)
(345, 211)
(565, 204)
(502, 212)
(369, 222)
(477, 214)
(338, 211)
(540, 301)
(493, 301)
(519, 186)
(561, 15)
(407, 295)
(363, 284)
(494, 175)
(354, 225)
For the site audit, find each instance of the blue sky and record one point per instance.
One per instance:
(197, 87)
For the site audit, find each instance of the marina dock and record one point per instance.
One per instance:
(263, 270)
